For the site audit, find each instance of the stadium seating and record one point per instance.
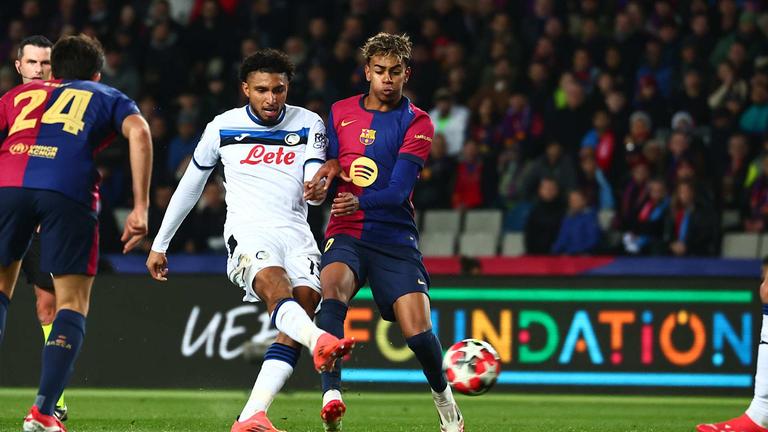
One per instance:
(442, 221)
(437, 244)
(741, 245)
(478, 244)
(513, 244)
(483, 221)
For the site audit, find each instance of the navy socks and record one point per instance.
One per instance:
(59, 357)
(331, 319)
(428, 351)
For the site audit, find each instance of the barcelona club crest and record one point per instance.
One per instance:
(368, 136)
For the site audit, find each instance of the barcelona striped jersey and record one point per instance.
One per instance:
(52, 130)
(367, 144)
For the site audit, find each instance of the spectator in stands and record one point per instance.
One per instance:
(555, 164)
(467, 191)
(650, 100)
(573, 119)
(654, 72)
(545, 218)
(647, 232)
(601, 140)
(593, 184)
(680, 149)
(435, 184)
(450, 119)
(485, 127)
(119, 74)
(734, 174)
(183, 144)
(754, 121)
(692, 99)
(731, 87)
(757, 211)
(580, 231)
(690, 226)
(522, 126)
(634, 195)
(640, 129)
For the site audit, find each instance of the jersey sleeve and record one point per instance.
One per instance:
(417, 142)
(206, 154)
(317, 142)
(333, 139)
(122, 107)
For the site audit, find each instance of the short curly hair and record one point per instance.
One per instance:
(267, 60)
(385, 44)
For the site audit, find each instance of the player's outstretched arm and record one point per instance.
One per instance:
(136, 130)
(183, 200)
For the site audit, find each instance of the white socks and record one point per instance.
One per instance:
(445, 404)
(758, 409)
(272, 377)
(292, 320)
(331, 395)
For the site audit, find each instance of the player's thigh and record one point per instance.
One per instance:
(249, 254)
(69, 235)
(343, 268)
(17, 224)
(393, 275)
(304, 272)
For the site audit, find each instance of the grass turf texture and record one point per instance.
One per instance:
(181, 410)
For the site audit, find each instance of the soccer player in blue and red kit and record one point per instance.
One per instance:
(379, 141)
(51, 131)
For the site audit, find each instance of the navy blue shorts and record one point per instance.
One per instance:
(69, 235)
(392, 271)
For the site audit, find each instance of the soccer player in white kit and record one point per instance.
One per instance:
(269, 150)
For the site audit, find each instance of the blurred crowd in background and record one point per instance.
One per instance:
(596, 126)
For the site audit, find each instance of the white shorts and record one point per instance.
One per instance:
(293, 249)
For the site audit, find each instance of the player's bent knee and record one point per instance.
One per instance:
(271, 285)
(283, 339)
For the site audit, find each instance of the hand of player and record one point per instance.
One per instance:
(330, 169)
(157, 265)
(315, 192)
(345, 204)
(135, 228)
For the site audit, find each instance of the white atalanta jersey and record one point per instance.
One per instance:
(263, 164)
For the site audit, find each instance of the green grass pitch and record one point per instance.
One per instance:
(209, 411)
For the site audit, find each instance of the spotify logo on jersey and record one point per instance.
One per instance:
(363, 171)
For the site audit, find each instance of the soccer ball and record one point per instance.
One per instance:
(471, 366)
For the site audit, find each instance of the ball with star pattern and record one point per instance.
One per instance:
(471, 366)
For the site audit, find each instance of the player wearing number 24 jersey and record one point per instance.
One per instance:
(54, 130)
(51, 131)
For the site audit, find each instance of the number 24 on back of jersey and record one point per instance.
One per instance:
(72, 120)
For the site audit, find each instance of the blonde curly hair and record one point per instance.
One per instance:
(385, 44)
